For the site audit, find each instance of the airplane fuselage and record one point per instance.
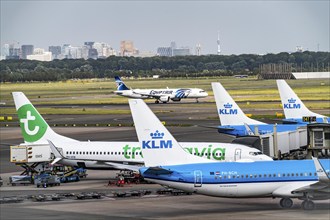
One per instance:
(163, 95)
(240, 130)
(255, 179)
(94, 155)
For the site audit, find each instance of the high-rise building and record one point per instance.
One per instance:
(92, 54)
(89, 44)
(183, 51)
(56, 51)
(14, 52)
(26, 50)
(198, 50)
(164, 51)
(218, 42)
(127, 48)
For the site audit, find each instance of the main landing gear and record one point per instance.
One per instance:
(307, 204)
(286, 203)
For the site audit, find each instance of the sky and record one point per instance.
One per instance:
(250, 27)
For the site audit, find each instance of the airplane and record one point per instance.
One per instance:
(161, 95)
(111, 155)
(233, 120)
(166, 163)
(294, 109)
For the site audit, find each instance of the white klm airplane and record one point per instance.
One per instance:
(166, 163)
(161, 95)
(294, 109)
(111, 155)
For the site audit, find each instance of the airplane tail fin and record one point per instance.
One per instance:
(229, 112)
(120, 84)
(34, 128)
(159, 147)
(293, 107)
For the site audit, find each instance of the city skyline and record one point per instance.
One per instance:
(256, 27)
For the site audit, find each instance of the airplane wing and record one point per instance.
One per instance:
(218, 128)
(147, 95)
(120, 166)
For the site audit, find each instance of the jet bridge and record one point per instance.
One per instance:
(318, 139)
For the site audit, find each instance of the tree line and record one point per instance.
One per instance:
(179, 66)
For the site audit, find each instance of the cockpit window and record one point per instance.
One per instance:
(201, 91)
(255, 153)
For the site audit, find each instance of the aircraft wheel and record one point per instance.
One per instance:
(308, 205)
(157, 102)
(286, 203)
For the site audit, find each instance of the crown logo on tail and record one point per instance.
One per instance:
(157, 135)
(292, 100)
(227, 105)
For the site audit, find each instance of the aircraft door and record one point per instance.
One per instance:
(198, 178)
(238, 154)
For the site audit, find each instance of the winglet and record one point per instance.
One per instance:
(321, 173)
(248, 129)
(159, 147)
(56, 152)
(229, 112)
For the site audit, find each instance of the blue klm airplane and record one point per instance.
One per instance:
(233, 120)
(294, 109)
(166, 163)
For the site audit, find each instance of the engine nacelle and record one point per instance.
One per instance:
(164, 98)
(176, 99)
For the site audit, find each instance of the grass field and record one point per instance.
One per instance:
(101, 92)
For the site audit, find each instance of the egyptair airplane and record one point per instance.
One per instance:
(161, 95)
(111, 155)
(166, 163)
(233, 120)
(294, 109)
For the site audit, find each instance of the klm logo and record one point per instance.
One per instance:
(291, 104)
(227, 110)
(157, 142)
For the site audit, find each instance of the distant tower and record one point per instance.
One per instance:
(218, 41)
(198, 50)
